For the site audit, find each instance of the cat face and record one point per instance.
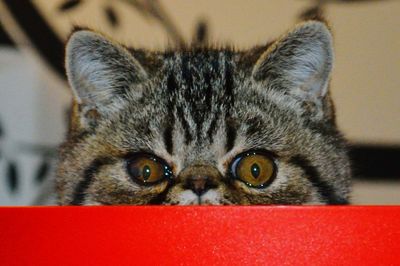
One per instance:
(203, 125)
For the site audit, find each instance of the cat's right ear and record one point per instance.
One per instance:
(100, 71)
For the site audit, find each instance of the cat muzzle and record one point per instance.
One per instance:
(200, 178)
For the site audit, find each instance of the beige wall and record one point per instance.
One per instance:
(366, 80)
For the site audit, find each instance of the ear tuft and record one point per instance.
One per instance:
(299, 62)
(99, 70)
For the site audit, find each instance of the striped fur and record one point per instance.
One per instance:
(203, 106)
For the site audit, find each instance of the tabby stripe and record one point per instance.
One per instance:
(324, 189)
(208, 97)
(83, 185)
(211, 129)
(188, 80)
(186, 73)
(169, 145)
(230, 134)
(229, 84)
(172, 87)
(207, 104)
(185, 124)
(229, 124)
(254, 126)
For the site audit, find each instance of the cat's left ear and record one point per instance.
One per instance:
(300, 62)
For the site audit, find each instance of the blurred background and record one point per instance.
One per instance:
(34, 96)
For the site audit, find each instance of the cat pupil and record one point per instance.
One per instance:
(255, 170)
(146, 172)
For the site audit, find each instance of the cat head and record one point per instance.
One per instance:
(203, 125)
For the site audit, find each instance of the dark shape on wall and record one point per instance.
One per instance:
(375, 162)
(68, 5)
(201, 33)
(315, 12)
(1, 137)
(45, 41)
(42, 171)
(12, 176)
(111, 16)
(4, 38)
(1, 130)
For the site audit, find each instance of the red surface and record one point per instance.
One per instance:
(200, 236)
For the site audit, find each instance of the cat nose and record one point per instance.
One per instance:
(199, 184)
(199, 178)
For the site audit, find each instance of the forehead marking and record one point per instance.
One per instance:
(200, 93)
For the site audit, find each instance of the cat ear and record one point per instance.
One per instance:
(99, 71)
(300, 62)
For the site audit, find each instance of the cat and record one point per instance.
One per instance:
(203, 125)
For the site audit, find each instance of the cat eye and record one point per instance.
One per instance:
(255, 168)
(148, 169)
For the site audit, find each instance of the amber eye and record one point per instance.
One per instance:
(254, 168)
(147, 169)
